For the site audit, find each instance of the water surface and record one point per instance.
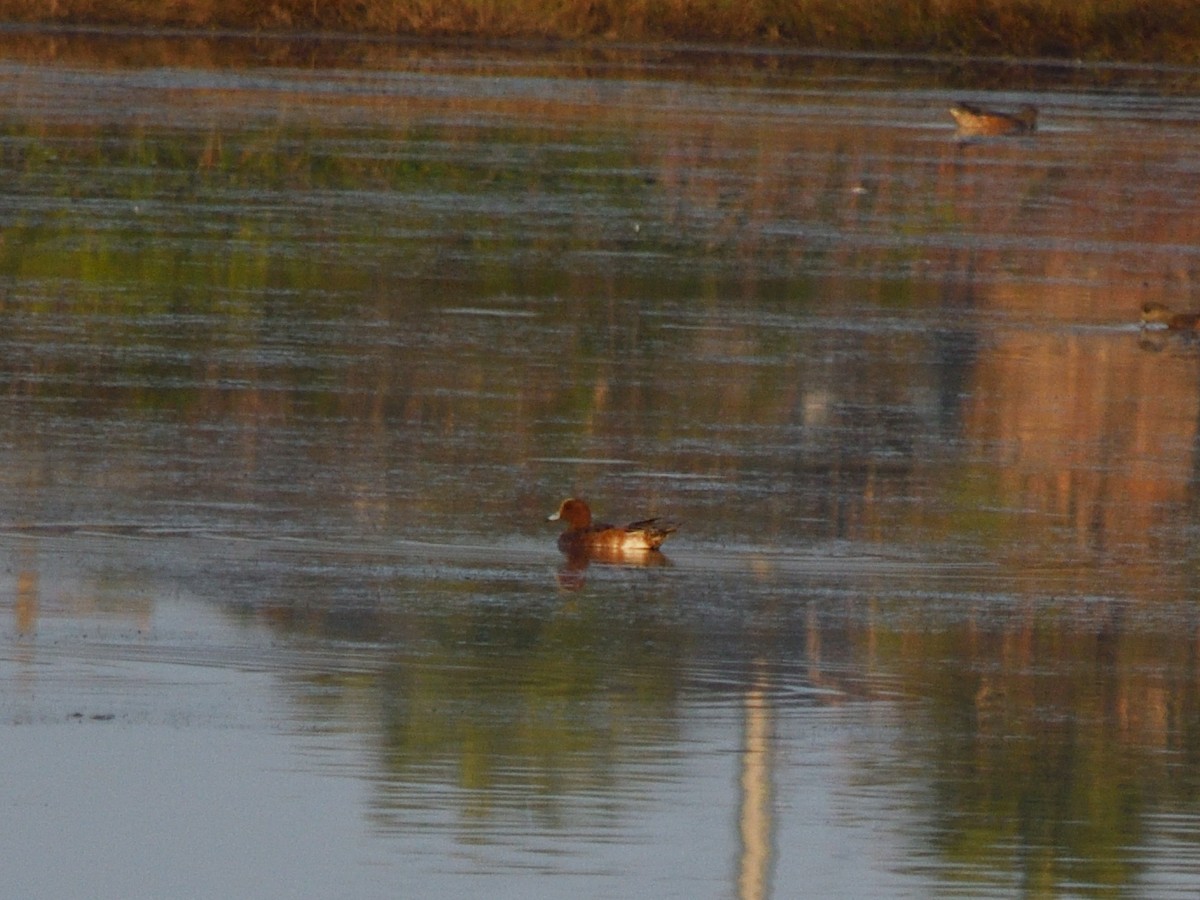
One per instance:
(302, 342)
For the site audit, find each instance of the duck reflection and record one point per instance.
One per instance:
(572, 576)
(1158, 341)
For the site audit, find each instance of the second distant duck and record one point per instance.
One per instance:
(583, 536)
(1154, 313)
(977, 120)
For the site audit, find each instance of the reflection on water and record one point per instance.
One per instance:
(754, 864)
(309, 346)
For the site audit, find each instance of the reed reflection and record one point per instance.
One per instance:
(524, 713)
(756, 798)
(1057, 741)
(27, 604)
(1087, 434)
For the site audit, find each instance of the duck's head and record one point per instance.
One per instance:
(574, 512)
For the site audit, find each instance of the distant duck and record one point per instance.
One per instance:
(976, 120)
(585, 537)
(1154, 313)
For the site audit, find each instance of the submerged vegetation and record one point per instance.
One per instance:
(1086, 29)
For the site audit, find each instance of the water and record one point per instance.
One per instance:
(302, 342)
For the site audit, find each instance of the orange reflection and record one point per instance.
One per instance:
(1084, 428)
(27, 601)
(572, 575)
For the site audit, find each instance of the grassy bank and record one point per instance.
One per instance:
(1145, 30)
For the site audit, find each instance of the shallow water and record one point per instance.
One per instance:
(302, 342)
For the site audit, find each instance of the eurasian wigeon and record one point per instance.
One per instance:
(1154, 313)
(583, 536)
(976, 120)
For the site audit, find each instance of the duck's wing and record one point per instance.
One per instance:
(654, 525)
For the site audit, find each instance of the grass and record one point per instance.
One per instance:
(1141, 30)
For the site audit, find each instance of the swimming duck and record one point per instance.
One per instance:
(976, 120)
(583, 536)
(1154, 313)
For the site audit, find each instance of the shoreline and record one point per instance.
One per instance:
(1109, 31)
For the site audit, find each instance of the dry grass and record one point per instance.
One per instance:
(1166, 30)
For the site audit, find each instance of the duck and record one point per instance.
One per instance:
(1154, 313)
(585, 537)
(976, 120)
